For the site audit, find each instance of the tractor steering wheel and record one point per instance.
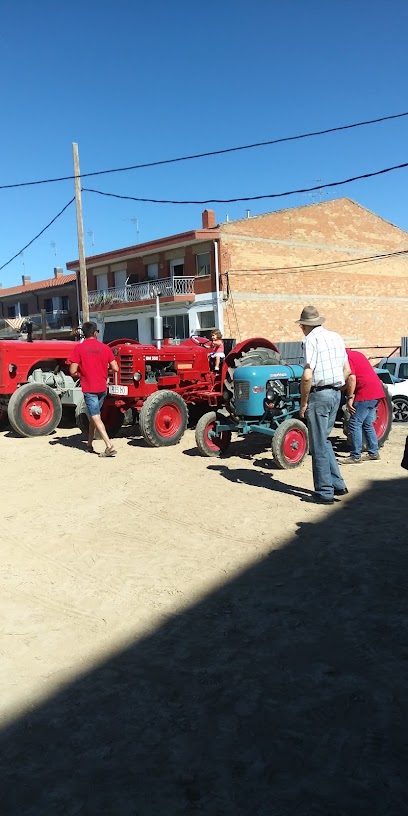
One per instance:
(201, 341)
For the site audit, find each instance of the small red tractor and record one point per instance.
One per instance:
(35, 385)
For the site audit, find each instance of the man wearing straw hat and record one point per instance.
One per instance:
(326, 369)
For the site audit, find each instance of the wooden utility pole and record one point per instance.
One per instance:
(80, 233)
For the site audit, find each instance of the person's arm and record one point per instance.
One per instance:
(75, 361)
(113, 366)
(305, 386)
(351, 382)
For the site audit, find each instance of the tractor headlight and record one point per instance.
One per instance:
(275, 391)
(137, 376)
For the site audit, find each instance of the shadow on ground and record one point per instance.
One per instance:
(283, 693)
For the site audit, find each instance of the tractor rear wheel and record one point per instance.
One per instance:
(290, 444)
(34, 410)
(382, 424)
(111, 417)
(257, 356)
(207, 444)
(163, 419)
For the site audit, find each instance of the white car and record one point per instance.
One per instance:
(399, 396)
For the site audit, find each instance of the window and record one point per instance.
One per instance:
(384, 375)
(152, 271)
(177, 267)
(206, 320)
(23, 309)
(391, 367)
(120, 278)
(102, 282)
(49, 305)
(178, 325)
(403, 371)
(11, 311)
(65, 303)
(203, 264)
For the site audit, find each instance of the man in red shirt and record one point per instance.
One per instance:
(364, 389)
(91, 360)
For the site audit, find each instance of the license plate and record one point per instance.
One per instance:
(119, 390)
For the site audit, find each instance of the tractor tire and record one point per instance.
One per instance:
(112, 418)
(163, 419)
(210, 446)
(382, 425)
(256, 357)
(34, 410)
(4, 421)
(290, 444)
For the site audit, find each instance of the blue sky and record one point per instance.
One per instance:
(133, 82)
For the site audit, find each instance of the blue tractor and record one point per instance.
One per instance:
(265, 400)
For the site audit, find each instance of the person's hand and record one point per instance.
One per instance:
(350, 406)
(302, 412)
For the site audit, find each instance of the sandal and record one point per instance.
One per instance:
(108, 453)
(90, 449)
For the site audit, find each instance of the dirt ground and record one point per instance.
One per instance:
(102, 557)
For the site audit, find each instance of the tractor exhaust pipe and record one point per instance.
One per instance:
(158, 321)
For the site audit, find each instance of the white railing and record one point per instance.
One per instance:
(134, 292)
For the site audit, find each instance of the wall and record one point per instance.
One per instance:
(365, 302)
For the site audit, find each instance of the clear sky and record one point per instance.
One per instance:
(139, 81)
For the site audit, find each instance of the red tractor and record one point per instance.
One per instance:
(35, 385)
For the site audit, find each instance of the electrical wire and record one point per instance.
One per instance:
(331, 264)
(160, 162)
(38, 235)
(250, 198)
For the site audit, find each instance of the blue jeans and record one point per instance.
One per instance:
(321, 415)
(362, 421)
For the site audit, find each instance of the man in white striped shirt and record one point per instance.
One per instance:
(325, 370)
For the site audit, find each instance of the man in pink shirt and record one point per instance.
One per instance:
(364, 389)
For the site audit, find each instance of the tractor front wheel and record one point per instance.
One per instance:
(290, 444)
(207, 443)
(163, 419)
(34, 410)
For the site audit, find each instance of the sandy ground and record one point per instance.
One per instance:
(100, 556)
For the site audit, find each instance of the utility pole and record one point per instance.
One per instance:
(80, 233)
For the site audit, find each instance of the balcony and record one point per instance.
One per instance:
(138, 292)
(58, 321)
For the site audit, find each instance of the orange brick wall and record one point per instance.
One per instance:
(366, 302)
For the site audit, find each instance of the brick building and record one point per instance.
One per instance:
(267, 268)
(58, 298)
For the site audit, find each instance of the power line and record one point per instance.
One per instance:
(250, 198)
(270, 142)
(333, 264)
(38, 235)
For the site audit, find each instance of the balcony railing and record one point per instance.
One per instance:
(135, 292)
(54, 321)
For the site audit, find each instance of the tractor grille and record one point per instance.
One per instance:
(126, 368)
(241, 390)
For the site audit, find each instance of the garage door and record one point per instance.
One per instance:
(122, 328)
